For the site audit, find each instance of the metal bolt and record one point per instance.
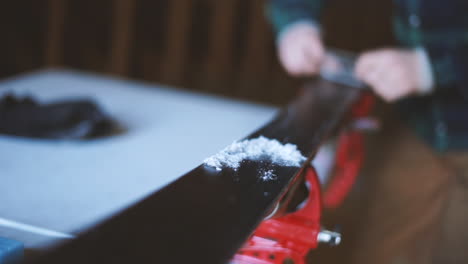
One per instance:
(329, 237)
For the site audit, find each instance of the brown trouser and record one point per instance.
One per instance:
(417, 208)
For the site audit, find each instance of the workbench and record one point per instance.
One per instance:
(52, 190)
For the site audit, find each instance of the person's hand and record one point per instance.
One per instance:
(300, 49)
(394, 73)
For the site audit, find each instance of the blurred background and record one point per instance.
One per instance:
(223, 47)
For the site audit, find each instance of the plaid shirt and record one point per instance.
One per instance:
(441, 28)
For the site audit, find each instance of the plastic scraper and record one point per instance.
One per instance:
(338, 67)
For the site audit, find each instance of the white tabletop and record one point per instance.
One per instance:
(51, 189)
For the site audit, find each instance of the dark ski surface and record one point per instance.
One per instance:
(206, 215)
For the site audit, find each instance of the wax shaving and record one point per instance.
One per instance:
(260, 148)
(267, 175)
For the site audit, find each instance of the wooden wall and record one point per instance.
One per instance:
(217, 46)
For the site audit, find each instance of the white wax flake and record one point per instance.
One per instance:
(267, 175)
(260, 148)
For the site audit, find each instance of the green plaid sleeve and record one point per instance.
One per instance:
(449, 65)
(447, 51)
(283, 13)
(444, 37)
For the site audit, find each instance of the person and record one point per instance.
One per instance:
(432, 60)
(426, 78)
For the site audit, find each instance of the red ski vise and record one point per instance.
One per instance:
(288, 238)
(350, 152)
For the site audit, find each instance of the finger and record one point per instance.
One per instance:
(373, 76)
(311, 65)
(395, 84)
(389, 94)
(367, 62)
(299, 67)
(305, 69)
(364, 65)
(391, 89)
(384, 91)
(312, 59)
(318, 50)
(290, 61)
(306, 62)
(375, 70)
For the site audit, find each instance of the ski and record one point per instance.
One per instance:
(206, 215)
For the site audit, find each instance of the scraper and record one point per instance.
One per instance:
(338, 67)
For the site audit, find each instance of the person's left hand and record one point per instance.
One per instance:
(393, 73)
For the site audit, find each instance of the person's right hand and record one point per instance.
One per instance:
(300, 50)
